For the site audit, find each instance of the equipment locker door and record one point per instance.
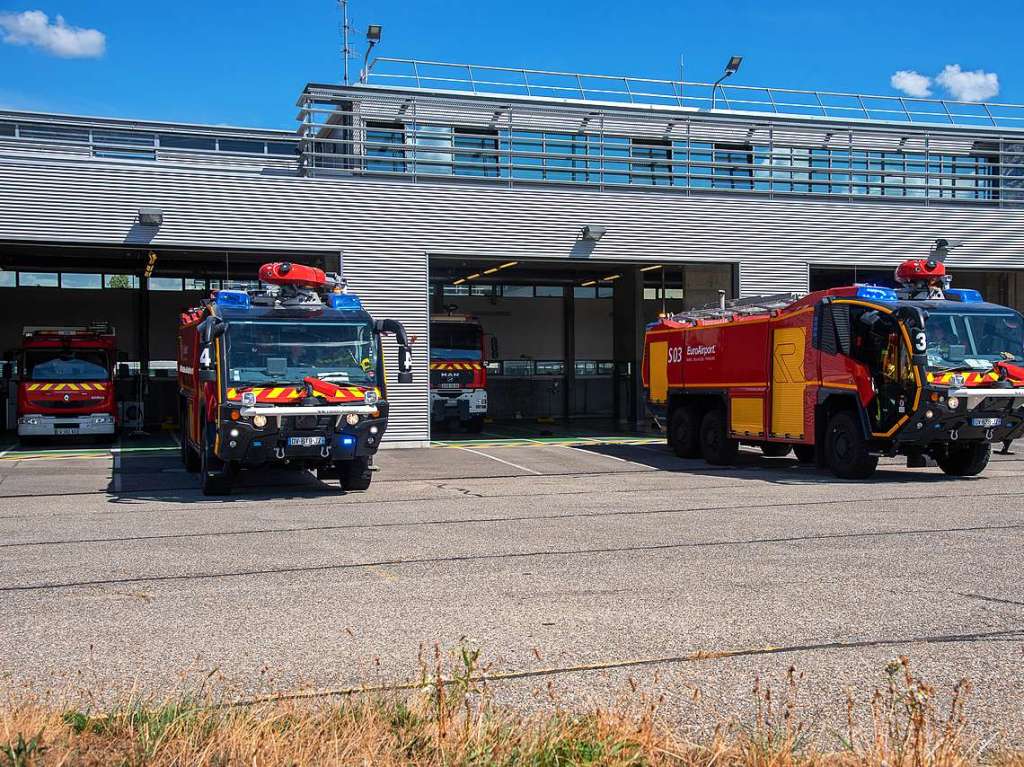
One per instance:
(788, 382)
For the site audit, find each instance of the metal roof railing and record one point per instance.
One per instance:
(577, 86)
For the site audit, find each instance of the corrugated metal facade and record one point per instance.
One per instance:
(388, 229)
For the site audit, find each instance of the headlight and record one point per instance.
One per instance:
(929, 414)
(233, 433)
(952, 403)
(371, 397)
(259, 421)
(353, 418)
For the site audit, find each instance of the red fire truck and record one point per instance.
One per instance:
(291, 374)
(843, 376)
(458, 376)
(66, 383)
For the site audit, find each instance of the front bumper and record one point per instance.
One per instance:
(986, 415)
(95, 425)
(325, 426)
(461, 403)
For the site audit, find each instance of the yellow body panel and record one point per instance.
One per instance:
(788, 381)
(658, 367)
(747, 415)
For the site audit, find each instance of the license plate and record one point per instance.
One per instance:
(305, 441)
(66, 430)
(986, 422)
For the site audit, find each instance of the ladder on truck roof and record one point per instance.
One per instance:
(738, 307)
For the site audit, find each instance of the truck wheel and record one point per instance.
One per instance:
(189, 458)
(214, 476)
(355, 474)
(475, 425)
(715, 444)
(684, 432)
(847, 450)
(804, 453)
(775, 449)
(965, 460)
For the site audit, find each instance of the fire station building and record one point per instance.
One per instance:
(564, 210)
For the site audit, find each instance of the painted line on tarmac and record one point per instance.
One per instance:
(8, 449)
(58, 455)
(501, 460)
(1008, 635)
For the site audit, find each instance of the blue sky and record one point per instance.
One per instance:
(244, 63)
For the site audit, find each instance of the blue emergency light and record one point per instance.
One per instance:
(344, 301)
(964, 295)
(235, 299)
(876, 293)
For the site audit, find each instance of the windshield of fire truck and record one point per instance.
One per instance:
(973, 340)
(285, 352)
(68, 365)
(455, 341)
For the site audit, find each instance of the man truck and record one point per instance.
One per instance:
(843, 376)
(292, 374)
(458, 376)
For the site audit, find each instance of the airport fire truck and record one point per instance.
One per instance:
(66, 382)
(292, 374)
(843, 376)
(458, 377)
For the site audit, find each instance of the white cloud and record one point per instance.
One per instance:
(912, 83)
(968, 86)
(57, 38)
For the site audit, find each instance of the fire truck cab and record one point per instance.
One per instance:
(289, 375)
(458, 376)
(843, 376)
(66, 382)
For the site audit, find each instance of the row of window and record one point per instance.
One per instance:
(144, 146)
(528, 291)
(82, 281)
(548, 368)
(585, 158)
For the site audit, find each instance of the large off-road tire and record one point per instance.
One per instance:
(775, 449)
(846, 448)
(215, 476)
(965, 460)
(189, 457)
(355, 474)
(715, 444)
(684, 432)
(804, 453)
(474, 425)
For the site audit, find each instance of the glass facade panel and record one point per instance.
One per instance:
(81, 281)
(550, 291)
(431, 141)
(8, 279)
(385, 141)
(165, 283)
(184, 141)
(120, 281)
(37, 279)
(241, 145)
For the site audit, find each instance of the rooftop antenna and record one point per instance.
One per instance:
(346, 50)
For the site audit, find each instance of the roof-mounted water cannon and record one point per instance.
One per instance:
(296, 283)
(927, 278)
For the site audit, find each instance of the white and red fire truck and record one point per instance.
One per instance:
(288, 375)
(458, 376)
(66, 382)
(843, 376)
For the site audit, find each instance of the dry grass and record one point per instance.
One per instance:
(455, 722)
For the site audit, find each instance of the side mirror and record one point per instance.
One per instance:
(404, 364)
(122, 371)
(212, 328)
(404, 347)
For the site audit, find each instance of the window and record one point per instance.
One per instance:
(429, 141)
(183, 141)
(191, 284)
(240, 145)
(54, 133)
(165, 283)
(581, 292)
(282, 147)
(81, 281)
(549, 291)
(8, 279)
(6, 129)
(456, 290)
(732, 167)
(658, 169)
(120, 281)
(37, 279)
(550, 367)
(385, 140)
(517, 291)
(122, 138)
(66, 365)
(605, 291)
(484, 161)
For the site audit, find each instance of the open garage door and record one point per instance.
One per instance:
(550, 343)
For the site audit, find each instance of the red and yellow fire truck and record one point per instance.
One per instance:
(290, 374)
(66, 382)
(458, 376)
(843, 376)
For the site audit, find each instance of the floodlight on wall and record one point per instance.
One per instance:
(593, 232)
(730, 69)
(151, 216)
(373, 33)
